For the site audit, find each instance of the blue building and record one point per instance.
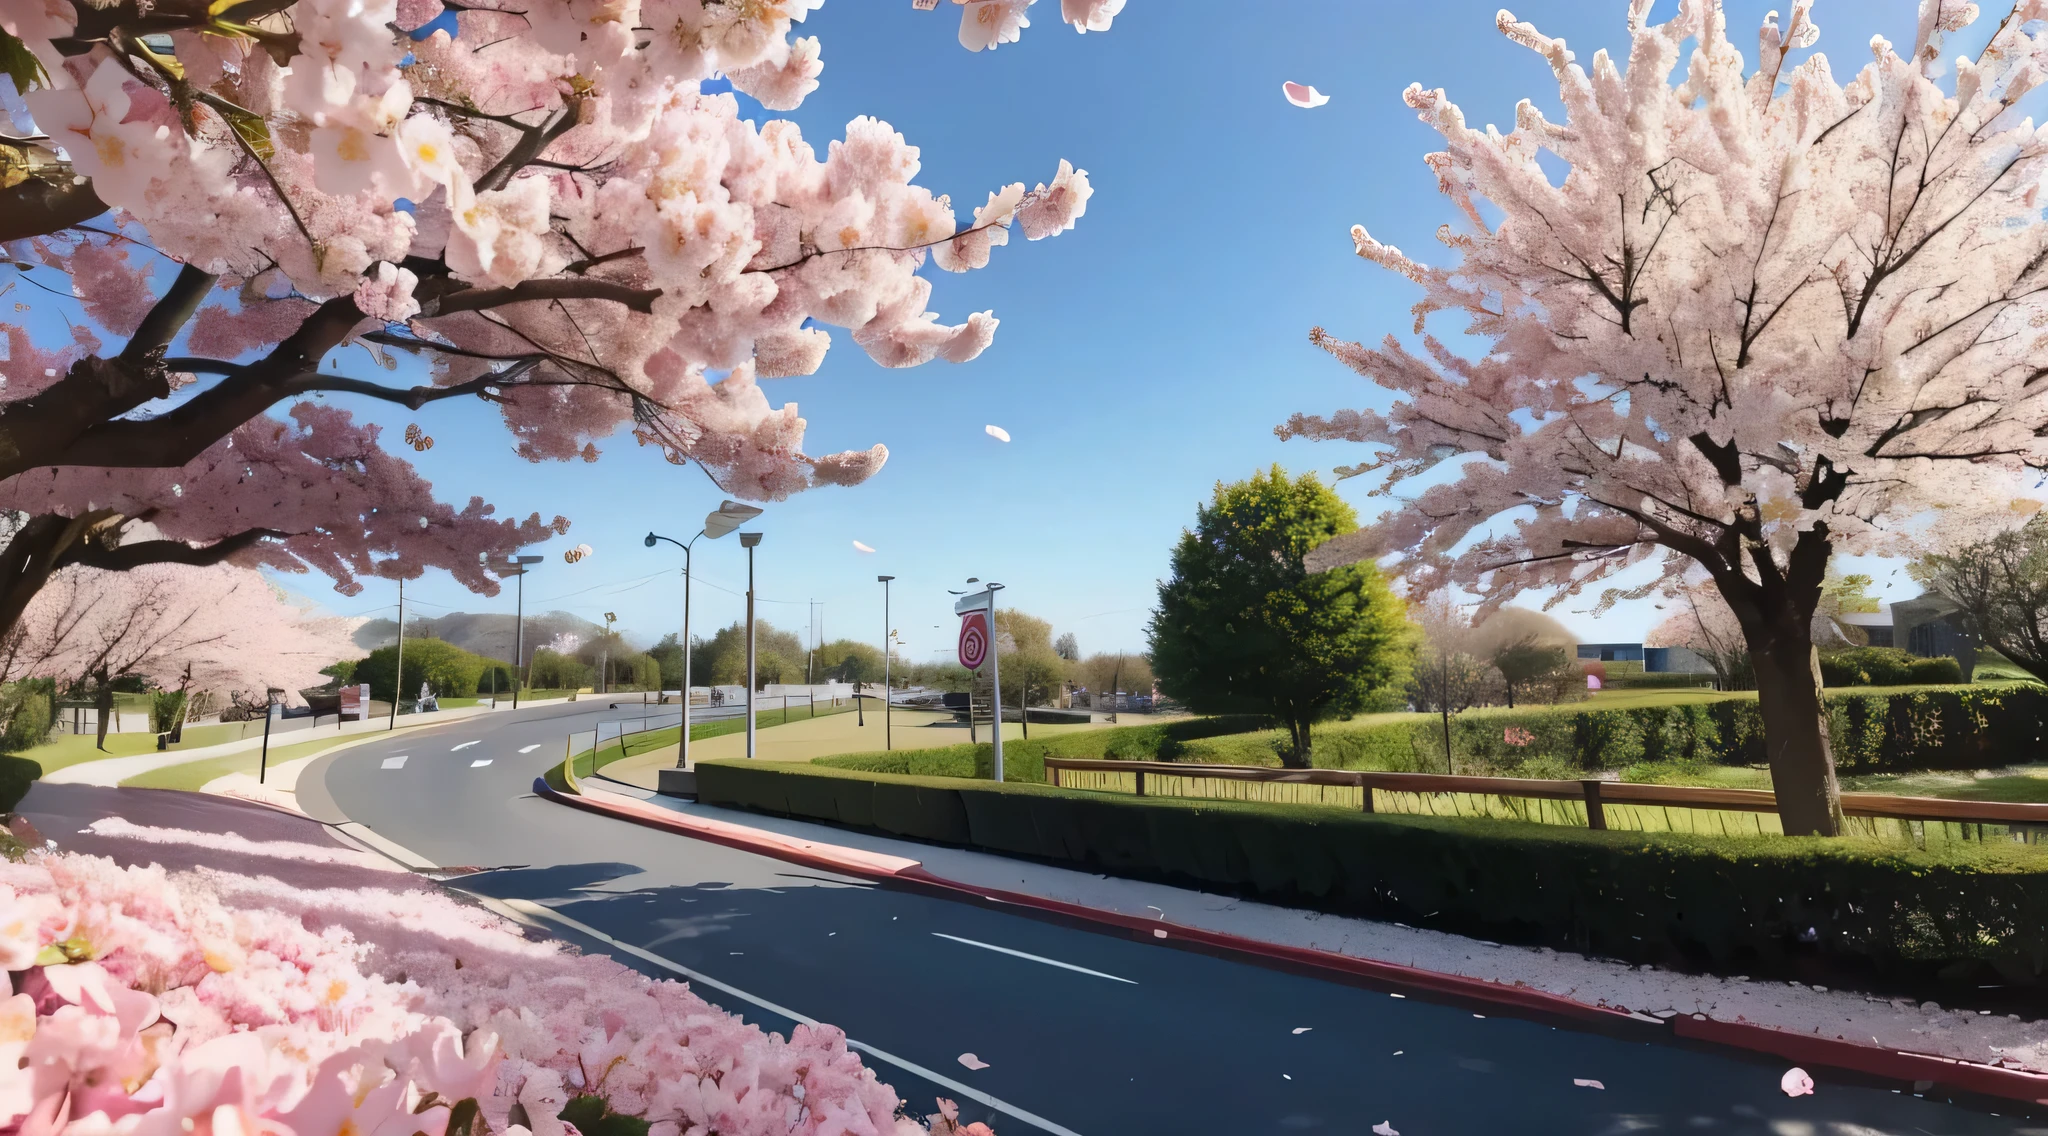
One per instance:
(1612, 652)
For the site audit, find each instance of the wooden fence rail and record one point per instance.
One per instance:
(1594, 793)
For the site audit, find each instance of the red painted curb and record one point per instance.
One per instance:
(1835, 1053)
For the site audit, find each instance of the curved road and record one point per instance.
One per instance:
(1081, 1032)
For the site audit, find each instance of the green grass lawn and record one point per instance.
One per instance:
(193, 775)
(71, 749)
(633, 745)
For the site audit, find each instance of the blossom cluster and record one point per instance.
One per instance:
(644, 251)
(139, 1002)
(1762, 313)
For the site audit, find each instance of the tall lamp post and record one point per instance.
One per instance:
(750, 541)
(887, 636)
(719, 522)
(515, 567)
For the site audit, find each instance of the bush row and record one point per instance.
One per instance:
(1758, 905)
(1885, 666)
(1961, 727)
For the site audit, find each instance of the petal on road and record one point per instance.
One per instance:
(973, 1062)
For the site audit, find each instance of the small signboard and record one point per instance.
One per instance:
(924, 5)
(973, 639)
(355, 701)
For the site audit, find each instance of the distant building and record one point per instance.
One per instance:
(1926, 625)
(1612, 652)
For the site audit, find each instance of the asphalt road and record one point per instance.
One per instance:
(1081, 1032)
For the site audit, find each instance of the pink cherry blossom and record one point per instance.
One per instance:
(1090, 15)
(1687, 367)
(544, 209)
(1303, 96)
(991, 23)
(1796, 1083)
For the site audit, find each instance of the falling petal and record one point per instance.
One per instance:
(972, 1062)
(859, 547)
(1302, 1029)
(1287, 1076)
(1796, 1083)
(1384, 1128)
(998, 433)
(1585, 1083)
(1303, 96)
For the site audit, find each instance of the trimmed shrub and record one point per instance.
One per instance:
(1754, 904)
(29, 707)
(1025, 760)
(1884, 666)
(16, 775)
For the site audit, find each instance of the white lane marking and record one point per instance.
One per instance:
(1033, 958)
(529, 749)
(970, 1092)
(396, 762)
(480, 763)
(465, 745)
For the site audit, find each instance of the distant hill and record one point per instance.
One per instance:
(489, 634)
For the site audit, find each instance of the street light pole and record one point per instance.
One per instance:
(398, 680)
(750, 541)
(728, 516)
(515, 567)
(887, 637)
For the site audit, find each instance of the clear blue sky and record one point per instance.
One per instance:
(1142, 356)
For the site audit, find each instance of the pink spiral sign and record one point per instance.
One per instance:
(973, 639)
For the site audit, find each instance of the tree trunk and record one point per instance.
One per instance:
(1297, 756)
(103, 701)
(1796, 733)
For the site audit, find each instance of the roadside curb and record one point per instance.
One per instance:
(1869, 1060)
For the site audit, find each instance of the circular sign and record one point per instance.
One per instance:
(973, 639)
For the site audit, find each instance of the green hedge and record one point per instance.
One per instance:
(1885, 666)
(1961, 727)
(1752, 904)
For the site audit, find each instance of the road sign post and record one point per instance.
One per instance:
(977, 635)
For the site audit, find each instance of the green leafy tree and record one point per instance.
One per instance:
(448, 670)
(722, 659)
(1244, 627)
(551, 670)
(668, 655)
(849, 660)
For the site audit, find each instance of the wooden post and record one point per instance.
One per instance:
(1141, 782)
(1365, 794)
(1596, 813)
(1054, 772)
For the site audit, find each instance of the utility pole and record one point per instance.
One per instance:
(749, 541)
(398, 680)
(888, 641)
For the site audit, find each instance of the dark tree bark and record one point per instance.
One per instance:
(103, 701)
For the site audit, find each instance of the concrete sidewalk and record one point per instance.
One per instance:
(1979, 1035)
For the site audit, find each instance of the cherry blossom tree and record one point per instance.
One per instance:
(1762, 318)
(540, 206)
(224, 628)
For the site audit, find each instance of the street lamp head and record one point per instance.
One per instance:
(883, 579)
(747, 540)
(728, 516)
(649, 542)
(528, 559)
